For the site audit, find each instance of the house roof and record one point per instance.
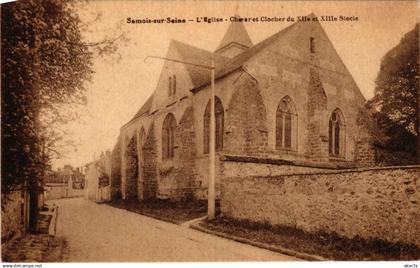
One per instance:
(236, 33)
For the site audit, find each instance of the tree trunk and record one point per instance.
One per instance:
(33, 207)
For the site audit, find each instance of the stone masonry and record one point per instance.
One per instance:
(371, 203)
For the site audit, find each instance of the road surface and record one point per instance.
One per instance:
(100, 233)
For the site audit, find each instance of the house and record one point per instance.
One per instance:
(97, 181)
(285, 105)
(64, 183)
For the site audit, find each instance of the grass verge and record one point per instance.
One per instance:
(166, 210)
(34, 248)
(330, 246)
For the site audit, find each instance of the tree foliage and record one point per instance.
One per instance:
(45, 64)
(396, 100)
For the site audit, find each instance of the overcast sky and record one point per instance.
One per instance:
(119, 89)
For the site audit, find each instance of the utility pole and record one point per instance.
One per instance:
(211, 200)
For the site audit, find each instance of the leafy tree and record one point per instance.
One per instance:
(45, 65)
(396, 100)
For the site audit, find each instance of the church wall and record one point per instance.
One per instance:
(317, 83)
(131, 168)
(183, 82)
(246, 129)
(148, 167)
(168, 170)
(223, 90)
(287, 68)
(280, 76)
(130, 131)
(115, 181)
(169, 178)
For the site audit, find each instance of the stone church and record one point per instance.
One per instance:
(285, 105)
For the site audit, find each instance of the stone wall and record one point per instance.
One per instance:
(365, 153)
(233, 166)
(371, 203)
(57, 191)
(11, 215)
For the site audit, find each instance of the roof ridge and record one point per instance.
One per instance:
(145, 108)
(188, 45)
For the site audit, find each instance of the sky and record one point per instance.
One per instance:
(119, 88)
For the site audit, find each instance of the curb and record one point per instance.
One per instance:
(193, 221)
(304, 256)
(52, 229)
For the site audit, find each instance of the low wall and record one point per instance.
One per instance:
(372, 203)
(61, 191)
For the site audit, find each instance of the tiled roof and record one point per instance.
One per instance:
(236, 33)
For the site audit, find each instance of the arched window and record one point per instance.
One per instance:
(172, 85)
(168, 135)
(286, 124)
(219, 113)
(336, 134)
(142, 136)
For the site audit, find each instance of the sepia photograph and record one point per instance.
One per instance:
(253, 132)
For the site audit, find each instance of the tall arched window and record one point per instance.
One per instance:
(286, 124)
(336, 134)
(142, 136)
(168, 135)
(219, 113)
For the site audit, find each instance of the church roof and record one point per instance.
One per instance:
(198, 56)
(145, 108)
(198, 75)
(236, 33)
(238, 61)
(201, 77)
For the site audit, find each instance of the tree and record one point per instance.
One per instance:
(396, 100)
(45, 65)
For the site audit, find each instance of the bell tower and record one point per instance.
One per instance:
(235, 41)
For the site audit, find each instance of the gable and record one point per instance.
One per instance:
(169, 69)
(288, 55)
